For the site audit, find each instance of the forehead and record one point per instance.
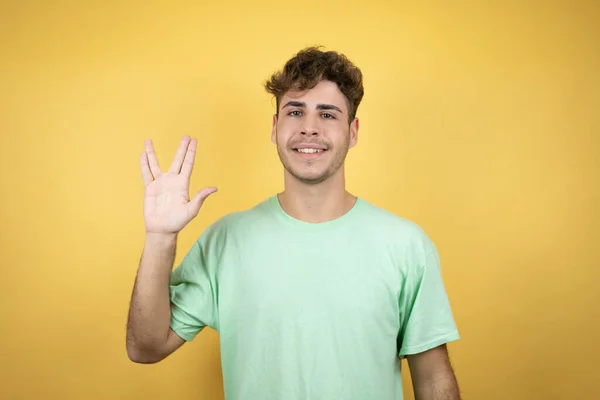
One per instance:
(326, 92)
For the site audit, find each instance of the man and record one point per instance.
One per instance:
(316, 293)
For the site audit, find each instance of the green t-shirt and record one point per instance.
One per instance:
(313, 311)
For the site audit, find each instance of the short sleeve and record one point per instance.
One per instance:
(193, 286)
(425, 314)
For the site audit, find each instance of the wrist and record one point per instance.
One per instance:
(161, 239)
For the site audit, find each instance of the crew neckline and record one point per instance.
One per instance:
(282, 215)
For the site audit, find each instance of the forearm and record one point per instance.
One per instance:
(441, 388)
(149, 312)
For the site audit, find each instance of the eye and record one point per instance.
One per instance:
(328, 116)
(295, 113)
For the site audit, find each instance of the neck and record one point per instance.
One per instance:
(316, 203)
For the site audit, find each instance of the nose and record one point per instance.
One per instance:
(309, 132)
(309, 127)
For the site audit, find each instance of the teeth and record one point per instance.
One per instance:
(308, 151)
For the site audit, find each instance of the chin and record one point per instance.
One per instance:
(310, 178)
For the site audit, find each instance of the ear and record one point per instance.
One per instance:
(274, 129)
(354, 132)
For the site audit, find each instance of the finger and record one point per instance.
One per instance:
(190, 155)
(152, 161)
(146, 174)
(180, 155)
(196, 203)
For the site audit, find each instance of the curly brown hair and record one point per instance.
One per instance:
(312, 65)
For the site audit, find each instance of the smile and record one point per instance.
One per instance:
(309, 151)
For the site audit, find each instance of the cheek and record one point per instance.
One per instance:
(342, 137)
(284, 132)
(286, 124)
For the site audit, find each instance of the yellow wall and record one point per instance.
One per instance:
(480, 122)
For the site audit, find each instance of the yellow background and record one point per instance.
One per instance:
(480, 122)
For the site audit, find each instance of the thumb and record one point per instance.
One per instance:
(196, 203)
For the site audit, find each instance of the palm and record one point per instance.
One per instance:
(167, 205)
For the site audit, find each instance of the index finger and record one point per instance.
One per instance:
(190, 155)
(180, 155)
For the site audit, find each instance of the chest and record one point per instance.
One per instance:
(308, 283)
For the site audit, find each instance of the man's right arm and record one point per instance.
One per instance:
(167, 210)
(149, 336)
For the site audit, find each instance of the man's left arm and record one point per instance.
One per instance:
(432, 375)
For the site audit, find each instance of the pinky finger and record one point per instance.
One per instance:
(145, 167)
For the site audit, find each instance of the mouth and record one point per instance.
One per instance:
(307, 153)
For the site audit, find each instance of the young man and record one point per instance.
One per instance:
(316, 293)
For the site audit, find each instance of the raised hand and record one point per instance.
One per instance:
(167, 206)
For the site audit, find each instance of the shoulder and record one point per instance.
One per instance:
(379, 218)
(236, 221)
(397, 231)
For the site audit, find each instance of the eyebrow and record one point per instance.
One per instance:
(319, 106)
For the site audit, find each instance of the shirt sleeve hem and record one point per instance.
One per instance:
(449, 337)
(187, 336)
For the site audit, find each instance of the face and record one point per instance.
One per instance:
(312, 132)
